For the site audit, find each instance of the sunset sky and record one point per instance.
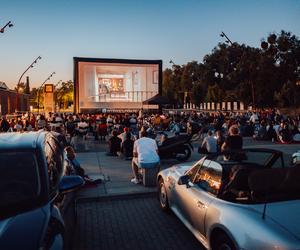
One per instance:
(181, 30)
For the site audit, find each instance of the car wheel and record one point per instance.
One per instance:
(223, 242)
(184, 154)
(162, 196)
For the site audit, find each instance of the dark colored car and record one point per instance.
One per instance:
(31, 178)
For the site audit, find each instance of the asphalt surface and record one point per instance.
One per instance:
(118, 214)
(130, 223)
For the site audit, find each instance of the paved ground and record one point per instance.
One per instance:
(108, 220)
(130, 223)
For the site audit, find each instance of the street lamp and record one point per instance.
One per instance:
(9, 24)
(18, 85)
(227, 39)
(40, 89)
(56, 92)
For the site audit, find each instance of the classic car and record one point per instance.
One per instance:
(236, 200)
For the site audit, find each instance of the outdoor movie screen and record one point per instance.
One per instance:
(115, 83)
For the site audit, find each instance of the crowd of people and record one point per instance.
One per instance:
(261, 125)
(216, 131)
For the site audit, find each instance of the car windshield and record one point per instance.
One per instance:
(260, 158)
(19, 179)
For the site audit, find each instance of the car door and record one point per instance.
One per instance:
(198, 195)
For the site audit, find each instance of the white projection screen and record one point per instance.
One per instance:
(115, 85)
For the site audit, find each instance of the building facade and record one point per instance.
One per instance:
(12, 101)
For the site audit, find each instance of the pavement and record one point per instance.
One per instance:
(116, 172)
(98, 207)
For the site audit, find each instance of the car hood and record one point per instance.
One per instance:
(285, 214)
(23, 231)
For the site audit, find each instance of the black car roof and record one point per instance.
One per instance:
(16, 140)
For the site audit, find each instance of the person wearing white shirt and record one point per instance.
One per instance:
(145, 154)
(210, 143)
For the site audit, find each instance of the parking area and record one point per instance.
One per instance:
(131, 222)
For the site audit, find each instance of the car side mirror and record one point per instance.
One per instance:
(183, 180)
(70, 184)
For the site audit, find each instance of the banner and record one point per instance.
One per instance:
(235, 106)
(242, 106)
(228, 105)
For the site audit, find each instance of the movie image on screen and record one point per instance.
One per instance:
(116, 83)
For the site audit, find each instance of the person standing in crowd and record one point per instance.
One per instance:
(145, 154)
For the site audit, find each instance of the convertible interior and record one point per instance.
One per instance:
(254, 184)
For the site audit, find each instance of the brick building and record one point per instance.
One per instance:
(10, 100)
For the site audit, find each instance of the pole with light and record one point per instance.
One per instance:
(18, 85)
(56, 92)
(9, 24)
(227, 39)
(40, 89)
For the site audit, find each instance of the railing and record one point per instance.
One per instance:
(128, 96)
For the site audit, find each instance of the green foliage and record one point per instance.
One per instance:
(63, 95)
(263, 76)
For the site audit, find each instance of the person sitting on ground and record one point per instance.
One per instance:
(262, 132)
(114, 144)
(73, 167)
(220, 140)
(83, 128)
(233, 144)
(145, 154)
(123, 135)
(175, 127)
(284, 134)
(127, 147)
(70, 126)
(209, 144)
(233, 141)
(102, 130)
(271, 133)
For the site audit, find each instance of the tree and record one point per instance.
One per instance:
(64, 95)
(241, 73)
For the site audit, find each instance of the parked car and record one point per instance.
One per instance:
(244, 200)
(31, 169)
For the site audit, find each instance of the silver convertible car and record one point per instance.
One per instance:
(237, 200)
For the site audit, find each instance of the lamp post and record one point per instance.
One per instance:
(18, 85)
(9, 24)
(56, 93)
(40, 89)
(227, 39)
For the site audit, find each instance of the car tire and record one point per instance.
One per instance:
(223, 242)
(184, 154)
(162, 196)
